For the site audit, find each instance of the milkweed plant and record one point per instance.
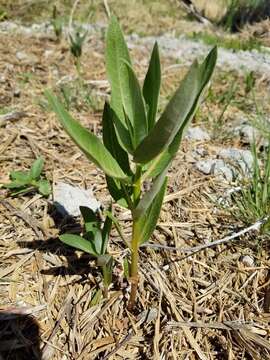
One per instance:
(138, 145)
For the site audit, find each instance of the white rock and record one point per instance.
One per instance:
(237, 155)
(197, 134)
(247, 260)
(205, 166)
(68, 199)
(216, 167)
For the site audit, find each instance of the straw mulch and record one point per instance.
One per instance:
(209, 305)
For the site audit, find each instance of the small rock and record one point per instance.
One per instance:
(247, 260)
(205, 166)
(243, 157)
(68, 199)
(216, 167)
(26, 58)
(223, 172)
(197, 134)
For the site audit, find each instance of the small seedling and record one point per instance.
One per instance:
(57, 23)
(138, 148)
(23, 182)
(76, 44)
(94, 242)
(253, 200)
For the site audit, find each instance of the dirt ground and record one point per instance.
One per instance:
(204, 305)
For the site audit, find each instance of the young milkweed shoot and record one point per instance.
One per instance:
(94, 241)
(137, 144)
(23, 182)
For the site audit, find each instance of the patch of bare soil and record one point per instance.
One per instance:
(206, 305)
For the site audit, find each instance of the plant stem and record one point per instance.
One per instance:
(107, 279)
(134, 277)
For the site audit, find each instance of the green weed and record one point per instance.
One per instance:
(137, 147)
(23, 182)
(253, 200)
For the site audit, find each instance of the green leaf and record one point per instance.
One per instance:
(91, 222)
(149, 196)
(178, 111)
(78, 242)
(86, 141)
(44, 187)
(111, 142)
(36, 168)
(151, 87)
(123, 135)
(164, 159)
(116, 52)
(106, 233)
(98, 241)
(116, 191)
(147, 223)
(134, 107)
(104, 260)
(20, 177)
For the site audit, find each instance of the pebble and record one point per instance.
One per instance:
(196, 133)
(247, 260)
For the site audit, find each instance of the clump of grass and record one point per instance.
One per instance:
(236, 44)
(252, 202)
(244, 11)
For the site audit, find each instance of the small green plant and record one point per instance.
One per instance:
(23, 182)
(94, 242)
(253, 200)
(77, 39)
(57, 23)
(137, 148)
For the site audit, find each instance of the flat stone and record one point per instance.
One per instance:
(196, 133)
(68, 199)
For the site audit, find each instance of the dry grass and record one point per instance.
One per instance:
(205, 306)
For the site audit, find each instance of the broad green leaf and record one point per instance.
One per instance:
(134, 107)
(98, 241)
(91, 222)
(36, 168)
(86, 141)
(147, 223)
(123, 135)
(106, 233)
(111, 142)
(151, 87)
(104, 259)
(78, 242)
(163, 160)
(14, 185)
(149, 196)
(44, 187)
(115, 189)
(20, 177)
(116, 52)
(178, 111)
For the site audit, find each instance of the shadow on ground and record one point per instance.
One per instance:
(75, 265)
(19, 336)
